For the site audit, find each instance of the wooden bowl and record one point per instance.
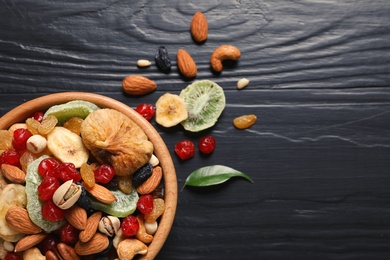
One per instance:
(20, 113)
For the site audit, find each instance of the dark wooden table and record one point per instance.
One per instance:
(319, 153)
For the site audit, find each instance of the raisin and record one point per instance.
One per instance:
(47, 125)
(162, 59)
(142, 174)
(87, 174)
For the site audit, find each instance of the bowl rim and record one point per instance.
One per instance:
(18, 114)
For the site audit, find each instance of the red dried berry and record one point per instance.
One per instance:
(51, 212)
(20, 138)
(10, 157)
(11, 256)
(47, 188)
(66, 172)
(130, 226)
(49, 243)
(104, 173)
(146, 110)
(185, 149)
(206, 144)
(38, 116)
(68, 234)
(47, 167)
(145, 204)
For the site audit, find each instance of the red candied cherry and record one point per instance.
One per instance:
(68, 234)
(51, 212)
(146, 110)
(20, 138)
(67, 171)
(38, 116)
(185, 149)
(130, 226)
(206, 144)
(145, 204)
(104, 173)
(12, 256)
(10, 157)
(47, 166)
(47, 188)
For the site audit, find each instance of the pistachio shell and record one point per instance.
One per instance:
(109, 225)
(67, 195)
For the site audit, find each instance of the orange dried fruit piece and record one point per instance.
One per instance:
(5, 140)
(47, 124)
(244, 121)
(74, 124)
(87, 174)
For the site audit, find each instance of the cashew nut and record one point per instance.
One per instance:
(130, 247)
(33, 253)
(221, 53)
(151, 228)
(142, 235)
(158, 210)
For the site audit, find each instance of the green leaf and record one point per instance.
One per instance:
(212, 175)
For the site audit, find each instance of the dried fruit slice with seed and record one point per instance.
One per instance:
(75, 108)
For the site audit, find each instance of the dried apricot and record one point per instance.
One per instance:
(244, 121)
(74, 124)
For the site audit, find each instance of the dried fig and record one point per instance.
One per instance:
(114, 138)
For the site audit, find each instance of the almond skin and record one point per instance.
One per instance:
(29, 241)
(13, 173)
(138, 85)
(101, 193)
(152, 182)
(186, 64)
(77, 217)
(96, 244)
(199, 27)
(18, 218)
(91, 227)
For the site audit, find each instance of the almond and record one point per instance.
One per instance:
(186, 64)
(199, 27)
(138, 85)
(77, 217)
(29, 241)
(13, 173)
(101, 193)
(18, 218)
(91, 227)
(152, 182)
(96, 244)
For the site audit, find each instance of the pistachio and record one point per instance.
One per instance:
(67, 195)
(109, 225)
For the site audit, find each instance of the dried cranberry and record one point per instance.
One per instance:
(10, 157)
(38, 116)
(130, 226)
(47, 167)
(145, 204)
(20, 138)
(67, 171)
(104, 173)
(185, 149)
(12, 256)
(47, 188)
(68, 234)
(49, 243)
(51, 212)
(145, 110)
(206, 144)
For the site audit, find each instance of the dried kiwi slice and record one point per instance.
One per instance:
(75, 108)
(205, 100)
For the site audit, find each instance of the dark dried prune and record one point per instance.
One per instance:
(142, 174)
(162, 59)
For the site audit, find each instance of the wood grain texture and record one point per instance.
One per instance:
(320, 151)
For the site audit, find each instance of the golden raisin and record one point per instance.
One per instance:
(74, 124)
(5, 140)
(87, 174)
(33, 125)
(158, 210)
(125, 184)
(245, 121)
(26, 159)
(47, 124)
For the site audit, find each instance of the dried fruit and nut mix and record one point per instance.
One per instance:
(77, 181)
